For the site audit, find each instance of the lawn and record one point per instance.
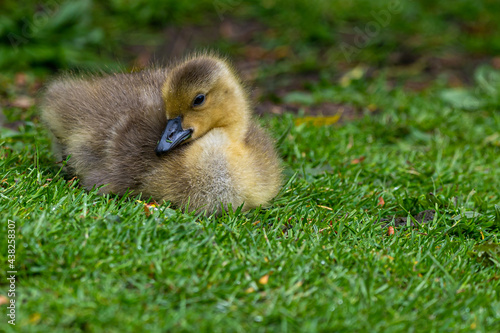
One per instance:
(331, 253)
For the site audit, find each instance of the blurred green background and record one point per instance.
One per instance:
(294, 35)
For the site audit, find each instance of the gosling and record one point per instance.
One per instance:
(183, 134)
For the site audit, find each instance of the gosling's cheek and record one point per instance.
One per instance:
(187, 125)
(195, 124)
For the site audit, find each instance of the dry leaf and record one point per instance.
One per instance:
(325, 207)
(381, 201)
(358, 160)
(413, 172)
(3, 300)
(390, 231)
(318, 121)
(148, 207)
(35, 318)
(264, 279)
(23, 102)
(249, 290)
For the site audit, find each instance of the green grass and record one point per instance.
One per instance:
(94, 263)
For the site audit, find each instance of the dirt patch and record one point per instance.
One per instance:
(422, 217)
(345, 112)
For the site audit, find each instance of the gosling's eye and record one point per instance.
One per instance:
(199, 100)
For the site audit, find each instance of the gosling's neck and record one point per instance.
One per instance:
(236, 129)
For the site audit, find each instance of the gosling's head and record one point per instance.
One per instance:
(201, 94)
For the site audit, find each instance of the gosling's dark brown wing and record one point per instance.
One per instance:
(109, 125)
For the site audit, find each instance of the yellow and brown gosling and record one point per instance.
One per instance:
(183, 134)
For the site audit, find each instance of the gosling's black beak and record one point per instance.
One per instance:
(172, 136)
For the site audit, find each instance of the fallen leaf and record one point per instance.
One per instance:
(23, 102)
(249, 290)
(358, 160)
(318, 121)
(390, 231)
(149, 206)
(35, 318)
(325, 207)
(3, 300)
(413, 172)
(381, 201)
(147, 211)
(264, 279)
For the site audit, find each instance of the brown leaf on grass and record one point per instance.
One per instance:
(147, 211)
(381, 201)
(148, 207)
(3, 300)
(264, 279)
(72, 179)
(23, 102)
(358, 160)
(390, 231)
